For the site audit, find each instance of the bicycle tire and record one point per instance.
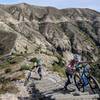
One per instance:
(95, 89)
(78, 84)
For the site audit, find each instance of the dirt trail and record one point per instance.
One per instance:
(49, 88)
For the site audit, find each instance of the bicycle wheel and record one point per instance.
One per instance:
(78, 83)
(27, 79)
(94, 85)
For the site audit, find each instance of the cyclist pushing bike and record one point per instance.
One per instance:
(71, 67)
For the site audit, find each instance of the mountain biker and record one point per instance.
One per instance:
(73, 65)
(70, 69)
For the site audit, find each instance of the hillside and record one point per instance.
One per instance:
(28, 32)
(61, 31)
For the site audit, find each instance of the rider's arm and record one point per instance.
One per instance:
(85, 62)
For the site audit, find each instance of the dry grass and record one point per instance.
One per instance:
(8, 87)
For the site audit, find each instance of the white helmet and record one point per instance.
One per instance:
(77, 57)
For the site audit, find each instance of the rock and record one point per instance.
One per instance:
(8, 96)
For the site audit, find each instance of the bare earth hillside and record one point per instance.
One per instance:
(28, 32)
(26, 27)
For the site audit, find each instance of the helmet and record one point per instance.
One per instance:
(77, 57)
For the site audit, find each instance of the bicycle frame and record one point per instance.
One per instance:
(84, 76)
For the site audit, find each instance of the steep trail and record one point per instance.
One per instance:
(49, 88)
(52, 86)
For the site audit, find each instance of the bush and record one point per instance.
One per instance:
(11, 60)
(25, 67)
(3, 80)
(60, 62)
(8, 70)
(4, 65)
(58, 66)
(60, 70)
(33, 60)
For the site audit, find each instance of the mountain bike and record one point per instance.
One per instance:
(83, 78)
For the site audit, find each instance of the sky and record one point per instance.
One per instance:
(92, 4)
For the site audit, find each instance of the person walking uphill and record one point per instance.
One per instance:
(70, 70)
(39, 68)
(74, 64)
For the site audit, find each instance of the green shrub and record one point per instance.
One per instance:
(60, 70)
(4, 65)
(3, 80)
(60, 62)
(11, 60)
(33, 60)
(25, 67)
(58, 66)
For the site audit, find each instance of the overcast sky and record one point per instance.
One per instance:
(93, 4)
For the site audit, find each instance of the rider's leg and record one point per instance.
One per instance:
(40, 75)
(68, 80)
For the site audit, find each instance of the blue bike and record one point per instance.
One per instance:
(83, 78)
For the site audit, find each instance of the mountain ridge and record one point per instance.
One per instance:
(55, 30)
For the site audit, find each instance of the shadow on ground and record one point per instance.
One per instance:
(35, 94)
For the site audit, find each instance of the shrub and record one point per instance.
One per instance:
(25, 67)
(33, 60)
(60, 70)
(12, 61)
(60, 62)
(4, 65)
(2, 80)
(38, 49)
(8, 70)
(11, 25)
